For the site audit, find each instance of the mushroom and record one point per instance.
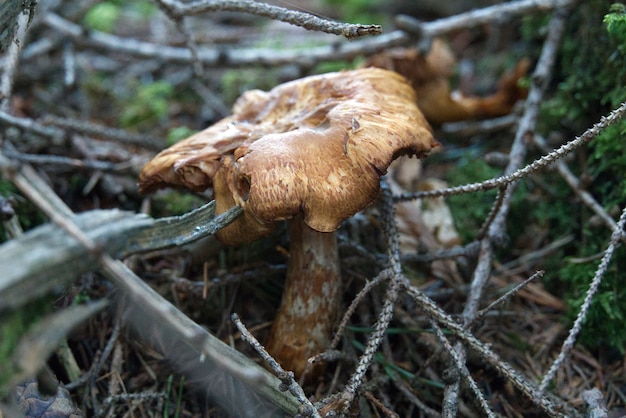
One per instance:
(430, 76)
(310, 151)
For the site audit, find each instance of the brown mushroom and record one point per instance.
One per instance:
(310, 151)
(430, 76)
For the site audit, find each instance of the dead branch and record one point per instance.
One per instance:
(537, 165)
(568, 344)
(302, 19)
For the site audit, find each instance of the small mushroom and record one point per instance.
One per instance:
(430, 75)
(310, 151)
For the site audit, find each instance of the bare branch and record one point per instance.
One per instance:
(574, 184)
(535, 166)
(459, 364)
(302, 19)
(288, 383)
(304, 57)
(569, 342)
(508, 295)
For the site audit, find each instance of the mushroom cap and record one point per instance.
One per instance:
(315, 146)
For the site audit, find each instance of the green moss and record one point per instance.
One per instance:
(13, 325)
(358, 11)
(235, 82)
(174, 202)
(27, 214)
(470, 210)
(103, 16)
(178, 133)
(146, 104)
(590, 80)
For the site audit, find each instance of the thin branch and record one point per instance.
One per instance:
(293, 17)
(508, 295)
(384, 275)
(373, 342)
(459, 364)
(469, 251)
(574, 184)
(487, 126)
(496, 13)
(304, 57)
(32, 126)
(535, 166)
(433, 311)
(384, 318)
(569, 342)
(98, 130)
(75, 163)
(288, 383)
(12, 58)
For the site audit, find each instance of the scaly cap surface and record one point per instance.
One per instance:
(317, 145)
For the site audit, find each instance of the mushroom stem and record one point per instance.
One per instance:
(302, 328)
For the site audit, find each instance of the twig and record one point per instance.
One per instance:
(535, 166)
(12, 57)
(386, 411)
(459, 364)
(373, 342)
(569, 342)
(68, 162)
(469, 251)
(288, 383)
(386, 314)
(496, 13)
(495, 209)
(480, 314)
(220, 56)
(402, 387)
(487, 126)
(431, 309)
(104, 355)
(302, 19)
(94, 129)
(32, 126)
(267, 56)
(170, 9)
(382, 276)
(574, 184)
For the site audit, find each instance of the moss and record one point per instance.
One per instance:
(13, 325)
(27, 214)
(470, 210)
(146, 104)
(590, 83)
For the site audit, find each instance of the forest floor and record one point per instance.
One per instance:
(116, 108)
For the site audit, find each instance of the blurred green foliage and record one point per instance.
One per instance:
(470, 210)
(146, 104)
(591, 80)
(174, 202)
(178, 133)
(358, 11)
(13, 325)
(236, 81)
(103, 16)
(27, 214)
(106, 15)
